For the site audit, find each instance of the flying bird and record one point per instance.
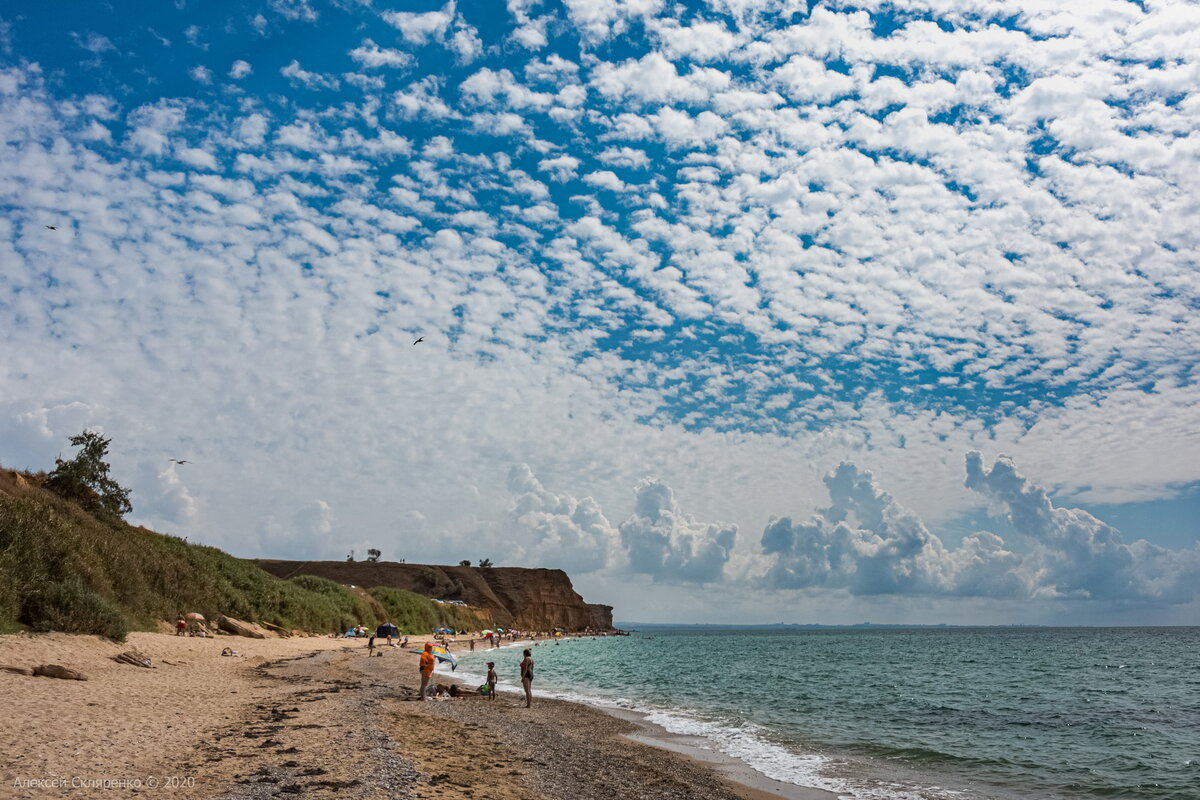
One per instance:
(418, 341)
(52, 227)
(181, 461)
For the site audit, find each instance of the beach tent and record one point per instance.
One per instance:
(387, 629)
(442, 630)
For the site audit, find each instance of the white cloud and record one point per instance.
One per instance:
(599, 20)
(628, 157)
(198, 158)
(421, 28)
(663, 541)
(311, 80)
(152, 126)
(252, 129)
(201, 74)
(561, 168)
(654, 79)
(604, 179)
(371, 55)
(465, 42)
(1077, 555)
(868, 544)
(563, 532)
(240, 69)
(295, 10)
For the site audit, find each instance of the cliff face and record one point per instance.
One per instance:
(527, 599)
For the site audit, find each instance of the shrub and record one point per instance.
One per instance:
(72, 607)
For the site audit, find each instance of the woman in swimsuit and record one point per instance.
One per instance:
(527, 678)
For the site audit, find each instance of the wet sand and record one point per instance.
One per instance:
(316, 717)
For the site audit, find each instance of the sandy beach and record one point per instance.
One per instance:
(314, 716)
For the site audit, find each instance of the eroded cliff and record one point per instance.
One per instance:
(527, 599)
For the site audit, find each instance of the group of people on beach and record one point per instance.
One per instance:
(487, 689)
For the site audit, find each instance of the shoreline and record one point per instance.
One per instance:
(745, 779)
(317, 715)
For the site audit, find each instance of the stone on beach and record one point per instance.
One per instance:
(58, 671)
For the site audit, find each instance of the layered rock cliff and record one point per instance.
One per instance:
(527, 599)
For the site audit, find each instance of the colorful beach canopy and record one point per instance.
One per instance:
(444, 655)
(442, 630)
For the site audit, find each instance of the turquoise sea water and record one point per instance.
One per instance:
(966, 713)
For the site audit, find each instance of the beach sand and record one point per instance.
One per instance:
(314, 717)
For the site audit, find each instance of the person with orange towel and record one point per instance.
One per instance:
(426, 668)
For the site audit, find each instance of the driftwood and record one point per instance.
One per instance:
(59, 671)
(239, 628)
(134, 658)
(284, 632)
(18, 670)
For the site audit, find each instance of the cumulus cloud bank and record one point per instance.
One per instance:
(663, 541)
(567, 533)
(868, 544)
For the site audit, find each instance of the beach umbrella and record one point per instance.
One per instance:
(194, 615)
(487, 632)
(445, 656)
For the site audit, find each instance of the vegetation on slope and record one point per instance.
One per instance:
(64, 569)
(412, 612)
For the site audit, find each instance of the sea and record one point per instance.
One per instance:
(907, 714)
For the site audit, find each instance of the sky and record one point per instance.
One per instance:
(737, 311)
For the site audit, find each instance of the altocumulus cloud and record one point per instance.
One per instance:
(868, 544)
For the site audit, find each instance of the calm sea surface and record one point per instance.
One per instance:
(946, 713)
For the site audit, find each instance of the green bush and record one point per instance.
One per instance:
(71, 607)
(64, 569)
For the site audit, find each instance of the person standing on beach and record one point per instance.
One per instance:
(180, 627)
(527, 678)
(426, 668)
(491, 680)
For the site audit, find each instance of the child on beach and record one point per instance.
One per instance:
(491, 680)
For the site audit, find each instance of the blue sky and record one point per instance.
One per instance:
(744, 310)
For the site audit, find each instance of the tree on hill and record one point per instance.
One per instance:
(373, 554)
(85, 478)
(466, 562)
(486, 562)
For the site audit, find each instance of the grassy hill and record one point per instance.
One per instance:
(63, 569)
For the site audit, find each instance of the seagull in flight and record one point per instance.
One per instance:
(418, 341)
(179, 461)
(52, 227)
